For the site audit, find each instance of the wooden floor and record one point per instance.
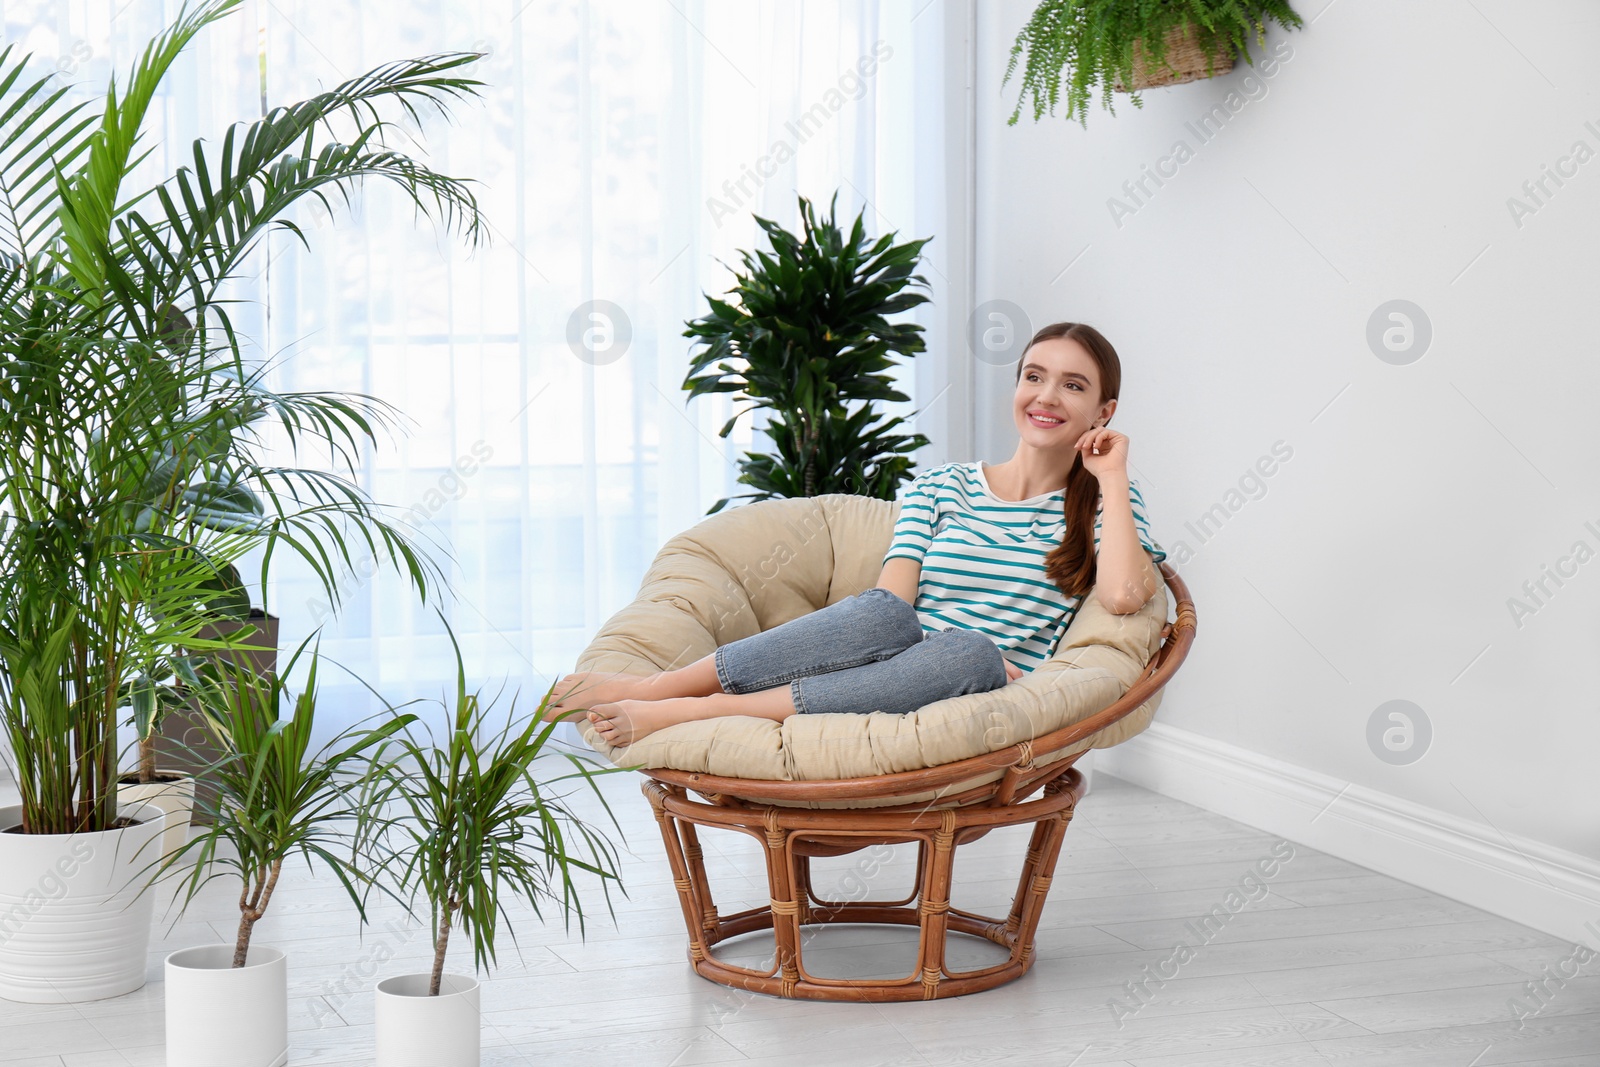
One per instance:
(1329, 964)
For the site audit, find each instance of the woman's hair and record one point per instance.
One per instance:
(1071, 564)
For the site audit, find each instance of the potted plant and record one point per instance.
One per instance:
(163, 688)
(81, 597)
(809, 324)
(1126, 47)
(160, 693)
(58, 892)
(478, 826)
(151, 696)
(116, 355)
(277, 799)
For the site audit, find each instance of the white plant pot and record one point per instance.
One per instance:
(74, 914)
(416, 1030)
(174, 798)
(218, 1013)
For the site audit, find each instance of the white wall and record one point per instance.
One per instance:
(1408, 504)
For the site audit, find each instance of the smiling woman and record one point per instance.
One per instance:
(1002, 558)
(1070, 372)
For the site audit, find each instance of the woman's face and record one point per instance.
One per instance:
(1059, 379)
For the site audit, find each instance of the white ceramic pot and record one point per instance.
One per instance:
(74, 914)
(218, 1013)
(416, 1030)
(176, 798)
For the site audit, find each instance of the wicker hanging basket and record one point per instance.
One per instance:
(1185, 61)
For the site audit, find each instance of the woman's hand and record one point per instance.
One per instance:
(1104, 452)
(1013, 672)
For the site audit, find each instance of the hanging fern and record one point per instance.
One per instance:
(1079, 44)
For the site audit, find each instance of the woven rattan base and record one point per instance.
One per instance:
(792, 836)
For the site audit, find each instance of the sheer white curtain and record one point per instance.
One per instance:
(620, 150)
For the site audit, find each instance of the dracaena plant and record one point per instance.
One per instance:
(485, 818)
(138, 470)
(808, 323)
(277, 797)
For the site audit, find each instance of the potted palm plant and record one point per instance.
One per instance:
(809, 323)
(82, 596)
(478, 826)
(117, 354)
(277, 799)
(1126, 47)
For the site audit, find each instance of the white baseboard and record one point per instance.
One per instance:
(1547, 888)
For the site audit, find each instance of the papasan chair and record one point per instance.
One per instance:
(828, 785)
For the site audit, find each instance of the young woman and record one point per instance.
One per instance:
(985, 569)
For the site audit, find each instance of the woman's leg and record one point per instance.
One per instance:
(949, 663)
(586, 689)
(870, 626)
(944, 664)
(625, 721)
(752, 675)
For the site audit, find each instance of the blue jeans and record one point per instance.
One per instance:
(865, 653)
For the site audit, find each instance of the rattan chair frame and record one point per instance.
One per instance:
(1033, 788)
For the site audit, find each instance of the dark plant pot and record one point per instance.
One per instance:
(183, 743)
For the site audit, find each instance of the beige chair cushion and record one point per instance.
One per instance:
(752, 568)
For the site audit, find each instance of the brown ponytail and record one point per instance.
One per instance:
(1071, 564)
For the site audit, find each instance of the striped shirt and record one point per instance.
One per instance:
(983, 559)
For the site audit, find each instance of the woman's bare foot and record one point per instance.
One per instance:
(621, 723)
(581, 691)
